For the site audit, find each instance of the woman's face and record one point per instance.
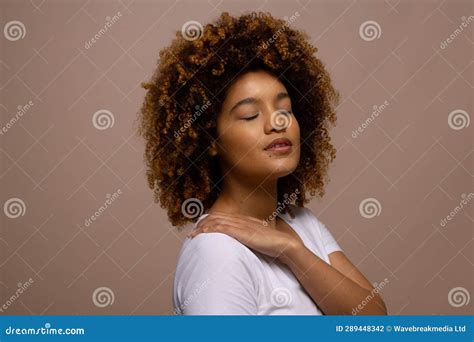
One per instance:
(256, 111)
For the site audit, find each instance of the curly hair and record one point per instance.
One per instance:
(184, 97)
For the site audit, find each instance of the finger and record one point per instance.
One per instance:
(206, 229)
(212, 223)
(233, 231)
(237, 219)
(196, 231)
(216, 220)
(234, 216)
(190, 234)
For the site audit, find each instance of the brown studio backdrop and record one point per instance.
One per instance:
(59, 165)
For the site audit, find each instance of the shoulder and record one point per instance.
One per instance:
(208, 253)
(317, 230)
(215, 274)
(211, 245)
(214, 245)
(305, 216)
(309, 215)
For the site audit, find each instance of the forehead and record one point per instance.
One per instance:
(258, 84)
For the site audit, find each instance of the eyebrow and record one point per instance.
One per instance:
(252, 100)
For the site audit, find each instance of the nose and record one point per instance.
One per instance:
(276, 120)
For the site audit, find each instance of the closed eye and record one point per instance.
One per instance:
(250, 118)
(283, 111)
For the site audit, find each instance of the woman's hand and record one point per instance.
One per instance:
(252, 233)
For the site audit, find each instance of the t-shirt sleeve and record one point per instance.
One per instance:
(214, 277)
(329, 242)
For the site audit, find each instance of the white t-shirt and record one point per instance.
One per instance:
(218, 275)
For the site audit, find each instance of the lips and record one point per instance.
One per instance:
(280, 142)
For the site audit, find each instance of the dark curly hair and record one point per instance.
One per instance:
(186, 92)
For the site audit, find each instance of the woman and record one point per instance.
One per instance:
(236, 125)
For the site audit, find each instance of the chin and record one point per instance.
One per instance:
(282, 170)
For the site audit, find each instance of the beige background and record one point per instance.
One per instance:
(415, 159)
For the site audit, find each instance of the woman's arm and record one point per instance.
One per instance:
(339, 288)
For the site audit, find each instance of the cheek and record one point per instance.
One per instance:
(296, 129)
(294, 132)
(239, 142)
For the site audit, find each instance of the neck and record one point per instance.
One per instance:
(246, 198)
